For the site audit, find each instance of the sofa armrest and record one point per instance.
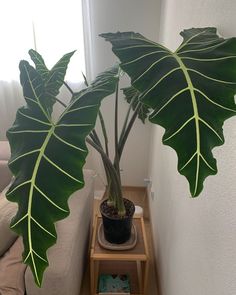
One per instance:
(67, 256)
(5, 150)
(5, 174)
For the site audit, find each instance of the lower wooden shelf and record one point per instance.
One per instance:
(134, 262)
(122, 267)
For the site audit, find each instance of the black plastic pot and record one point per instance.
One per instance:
(117, 230)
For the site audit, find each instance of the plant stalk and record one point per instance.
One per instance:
(114, 178)
(94, 137)
(85, 80)
(68, 87)
(123, 139)
(104, 132)
(61, 102)
(117, 158)
(127, 117)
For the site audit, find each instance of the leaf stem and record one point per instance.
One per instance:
(104, 132)
(114, 178)
(68, 87)
(117, 158)
(85, 80)
(123, 139)
(61, 102)
(127, 117)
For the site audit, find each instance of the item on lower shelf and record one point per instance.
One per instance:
(114, 284)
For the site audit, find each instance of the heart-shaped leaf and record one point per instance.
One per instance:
(190, 90)
(47, 160)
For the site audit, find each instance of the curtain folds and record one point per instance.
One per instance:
(50, 27)
(10, 99)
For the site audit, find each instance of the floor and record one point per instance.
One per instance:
(138, 196)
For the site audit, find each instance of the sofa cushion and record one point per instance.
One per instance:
(7, 212)
(12, 270)
(5, 174)
(4, 150)
(67, 256)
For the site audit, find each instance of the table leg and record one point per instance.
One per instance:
(146, 271)
(92, 280)
(96, 271)
(140, 276)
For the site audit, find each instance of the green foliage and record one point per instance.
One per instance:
(132, 97)
(53, 79)
(47, 157)
(191, 92)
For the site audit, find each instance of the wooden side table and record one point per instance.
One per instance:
(134, 262)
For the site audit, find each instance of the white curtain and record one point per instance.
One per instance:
(51, 27)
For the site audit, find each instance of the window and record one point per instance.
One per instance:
(51, 27)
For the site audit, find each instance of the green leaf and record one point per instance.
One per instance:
(132, 97)
(190, 90)
(47, 161)
(53, 79)
(40, 66)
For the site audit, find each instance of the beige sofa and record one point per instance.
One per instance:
(67, 257)
(5, 174)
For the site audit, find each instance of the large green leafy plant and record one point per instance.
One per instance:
(190, 92)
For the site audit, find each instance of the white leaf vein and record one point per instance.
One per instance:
(143, 56)
(191, 38)
(213, 102)
(211, 128)
(22, 156)
(150, 67)
(159, 81)
(211, 78)
(203, 49)
(179, 129)
(155, 113)
(42, 227)
(60, 169)
(34, 119)
(209, 59)
(49, 200)
(67, 143)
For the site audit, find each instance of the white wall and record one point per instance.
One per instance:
(195, 238)
(112, 16)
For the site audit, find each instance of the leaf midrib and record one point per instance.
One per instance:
(195, 116)
(35, 94)
(33, 180)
